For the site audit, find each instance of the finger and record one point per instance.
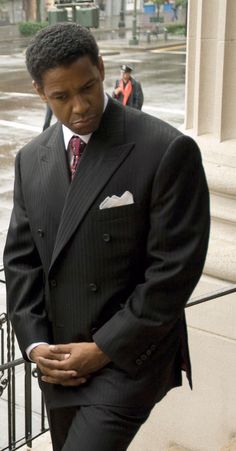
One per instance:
(53, 356)
(59, 357)
(53, 363)
(50, 380)
(62, 377)
(58, 375)
(47, 367)
(46, 353)
(73, 382)
(61, 349)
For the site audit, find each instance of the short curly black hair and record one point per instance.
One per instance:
(59, 45)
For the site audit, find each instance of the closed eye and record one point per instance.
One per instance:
(60, 97)
(89, 85)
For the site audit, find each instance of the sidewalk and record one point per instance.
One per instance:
(12, 41)
(122, 44)
(43, 443)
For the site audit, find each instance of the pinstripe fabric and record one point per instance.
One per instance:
(120, 276)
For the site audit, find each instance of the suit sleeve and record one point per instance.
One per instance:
(176, 251)
(24, 276)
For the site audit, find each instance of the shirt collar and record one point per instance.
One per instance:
(67, 133)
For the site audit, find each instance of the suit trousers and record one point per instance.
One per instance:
(95, 427)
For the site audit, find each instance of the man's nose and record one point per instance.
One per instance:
(80, 104)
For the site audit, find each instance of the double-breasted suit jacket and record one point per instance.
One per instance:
(120, 276)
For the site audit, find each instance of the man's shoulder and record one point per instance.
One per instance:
(40, 140)
(150, 123)
(135, 82)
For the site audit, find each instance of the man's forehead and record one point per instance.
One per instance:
(81, 70)
(83, 61)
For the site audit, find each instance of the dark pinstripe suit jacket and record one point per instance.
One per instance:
(120, 276)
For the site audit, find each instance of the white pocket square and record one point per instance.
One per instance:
(116, 201)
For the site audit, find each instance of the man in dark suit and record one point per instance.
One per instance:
(127, 90)
(103, 250)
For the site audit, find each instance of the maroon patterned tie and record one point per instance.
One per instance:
(77, 146)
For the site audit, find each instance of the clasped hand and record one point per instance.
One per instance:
(70, 364)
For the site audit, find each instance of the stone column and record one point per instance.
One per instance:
(211, 120)
(204, 419)
(30, 10)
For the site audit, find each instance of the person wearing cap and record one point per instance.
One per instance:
(128, 91)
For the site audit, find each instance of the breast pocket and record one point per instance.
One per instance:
(118, 213)
(121, 226)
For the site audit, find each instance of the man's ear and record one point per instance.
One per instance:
(39, 89)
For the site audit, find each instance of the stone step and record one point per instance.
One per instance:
(230, 447)
(43, 443)
(177, 448)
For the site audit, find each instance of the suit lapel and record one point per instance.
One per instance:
(54, 173)
(102, 157)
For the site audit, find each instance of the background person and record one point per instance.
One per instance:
(127, 90)
(103, 250)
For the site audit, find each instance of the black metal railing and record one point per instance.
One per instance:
(11, 402)
(9, 363)
(209, 297)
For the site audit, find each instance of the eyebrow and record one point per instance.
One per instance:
(59, 93)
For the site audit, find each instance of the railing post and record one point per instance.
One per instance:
(28, 404)
(11, 435)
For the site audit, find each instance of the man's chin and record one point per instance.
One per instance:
(84, 128)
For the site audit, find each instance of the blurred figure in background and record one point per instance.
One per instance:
(128, 91)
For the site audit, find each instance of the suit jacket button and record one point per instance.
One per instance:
(53, 283)
(93, 287)
(143, 357)
(139, 362)
(153, 348)
(106, 237)
(148, 352)
(40, 232)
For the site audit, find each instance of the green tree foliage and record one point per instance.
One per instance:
(177, 3)
(181, 3)
(158, 3)
(30, 28)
